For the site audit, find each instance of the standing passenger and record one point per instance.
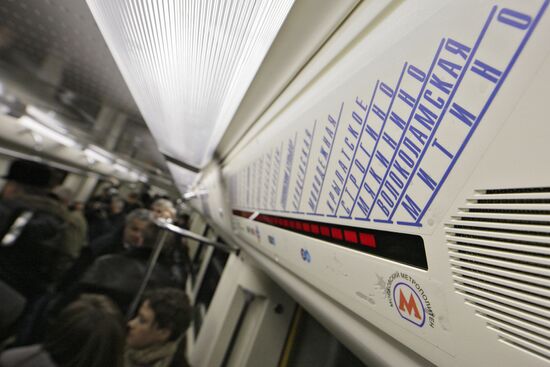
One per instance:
(164, 209)
(88, 333)
(76, 220)
(35, 238)
(157, 330)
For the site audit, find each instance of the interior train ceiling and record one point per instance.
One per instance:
(53, 56)
(66, 31)
(41, 34)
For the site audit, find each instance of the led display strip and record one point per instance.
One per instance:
(404, 248)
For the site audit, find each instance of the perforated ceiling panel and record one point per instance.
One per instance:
(66, 30)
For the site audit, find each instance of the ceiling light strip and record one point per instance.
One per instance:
(189, 64)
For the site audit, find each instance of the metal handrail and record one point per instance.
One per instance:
(189, 234)
(161, 239)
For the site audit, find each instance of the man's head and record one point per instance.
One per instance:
(139, 229)
(164, 209)
(163, 316)
(117, 205)
(26, 177)
(133, 198)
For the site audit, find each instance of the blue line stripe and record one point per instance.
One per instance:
(357, 144)
(278, 170)
(260, 186)
(455, 88)
(410, 224)
(402, 135)
(485, 107)
(307, 162)
(268, 179)
(328, 159)
(291, 166)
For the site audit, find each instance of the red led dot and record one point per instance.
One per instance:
(299, 226)
(315, 228)
(350, 236)
(325, 231)
(286, 223)
(337, 233)
(367, 239)
(306, 227)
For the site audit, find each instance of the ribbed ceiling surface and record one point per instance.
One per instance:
(189, 63)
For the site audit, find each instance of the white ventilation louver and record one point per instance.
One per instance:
(189, 63)
(499, 246)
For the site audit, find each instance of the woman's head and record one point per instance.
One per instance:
(89, 332)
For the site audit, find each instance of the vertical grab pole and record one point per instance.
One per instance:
(161, 239)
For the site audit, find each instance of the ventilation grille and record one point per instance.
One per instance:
(499, 245)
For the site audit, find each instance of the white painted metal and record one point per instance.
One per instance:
(262, 329)
(484, 291)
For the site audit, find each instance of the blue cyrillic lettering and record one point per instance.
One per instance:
(486, 71)
(514, 18)
(460, 113)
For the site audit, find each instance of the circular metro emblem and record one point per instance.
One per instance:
(409, 304)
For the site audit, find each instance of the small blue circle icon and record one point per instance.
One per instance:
(305, 255)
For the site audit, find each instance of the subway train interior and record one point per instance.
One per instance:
(355, 182)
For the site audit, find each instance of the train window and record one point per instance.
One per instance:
(198, 226)
(212, 277)
(207, 279)
(199, 255)
(310, 344)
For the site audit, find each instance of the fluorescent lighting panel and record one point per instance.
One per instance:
(94, 155)
(121, 168)
(183, 178)
(189, 63)
(46, 118)
(47, 132)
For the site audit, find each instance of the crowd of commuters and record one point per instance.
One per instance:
(69, 272)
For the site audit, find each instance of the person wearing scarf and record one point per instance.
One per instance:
(155, 333)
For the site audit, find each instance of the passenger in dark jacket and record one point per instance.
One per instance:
(88, 333)
(119, 275)
(12, 305)
(35, 234)
(120, 239)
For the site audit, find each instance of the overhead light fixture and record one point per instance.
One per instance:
(143, 178)
(121, 168)
(193, 194)
(189, 63)
(97, 154)
(183, 177)
(60, 137)
(46, 118)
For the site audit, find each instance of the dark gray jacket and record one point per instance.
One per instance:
(30, 356)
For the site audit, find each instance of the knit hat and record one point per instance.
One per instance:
(29, 173)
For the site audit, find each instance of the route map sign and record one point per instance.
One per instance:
(381, 152)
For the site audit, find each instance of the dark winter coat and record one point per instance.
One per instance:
(42, 250)
(30, 356)
(120, 275)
